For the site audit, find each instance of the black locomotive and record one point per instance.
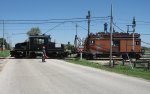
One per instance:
(33, 48)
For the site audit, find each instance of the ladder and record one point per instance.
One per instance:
(129, 61)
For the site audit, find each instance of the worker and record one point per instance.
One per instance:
(105, 27)
(43, 54)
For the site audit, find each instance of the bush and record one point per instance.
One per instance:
(4, 53)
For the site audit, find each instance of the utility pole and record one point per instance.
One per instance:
(111, 28)
(76, 28)
(81, 48)
(3, 44)
(89, 20)
(76, 37)
(128, 28)
(133, 26)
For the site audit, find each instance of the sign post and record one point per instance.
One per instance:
(80, 55)
(81, 48)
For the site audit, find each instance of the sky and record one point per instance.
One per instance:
(42, 10)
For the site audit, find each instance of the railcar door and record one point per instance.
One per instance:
(116, 46)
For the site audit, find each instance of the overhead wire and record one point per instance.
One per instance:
(60, 21)
(138, 21)
(54, 19)
(42, 22)
(144, 34)
(53, 27)
(72, 22)
(47, 21)
(83, 27)
(118, 27)
(145, 43)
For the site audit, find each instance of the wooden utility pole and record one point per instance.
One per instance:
(111, 29)
(133, 26)
(76, 38)
(3, 44)
(89, 20)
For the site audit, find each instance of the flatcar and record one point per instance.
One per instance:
(33, 48)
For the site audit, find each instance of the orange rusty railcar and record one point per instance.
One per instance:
(99, 44)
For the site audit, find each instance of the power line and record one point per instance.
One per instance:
(118, 27)
(140, 21)
(44, 22)
(83, 27)
(49, 20)
(53, 27)
(18, 33)
(144, 34)
(145, 42)
(65, 20)
(57, 19)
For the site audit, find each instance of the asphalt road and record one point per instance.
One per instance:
(31, 76)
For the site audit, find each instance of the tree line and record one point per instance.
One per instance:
(7, 45)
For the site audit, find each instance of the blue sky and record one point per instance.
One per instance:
(123, 13)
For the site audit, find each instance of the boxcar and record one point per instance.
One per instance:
(98, 45)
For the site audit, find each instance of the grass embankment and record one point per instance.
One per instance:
(4, 53)
(136, 72)
(147, 54)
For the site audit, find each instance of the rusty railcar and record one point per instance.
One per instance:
(98, 45)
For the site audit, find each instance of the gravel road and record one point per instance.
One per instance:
(31, 76)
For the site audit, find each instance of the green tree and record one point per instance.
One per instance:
(34, 31)
(70, 48)
(7, 45)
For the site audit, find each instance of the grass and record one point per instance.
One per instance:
(126, 70)
(136, 72)
(4, 53)
(147, 52)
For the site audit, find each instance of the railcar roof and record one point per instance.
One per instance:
(43, 36)
(115, 35)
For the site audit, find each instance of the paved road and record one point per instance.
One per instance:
(31, 76)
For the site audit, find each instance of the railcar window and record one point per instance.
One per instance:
(92, 42)
(38, 41)
(98, 36)
(116, 43)
(49, 40)
(41, 41)
(137, 43)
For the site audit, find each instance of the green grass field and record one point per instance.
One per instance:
(126, 70)
(4, 53)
